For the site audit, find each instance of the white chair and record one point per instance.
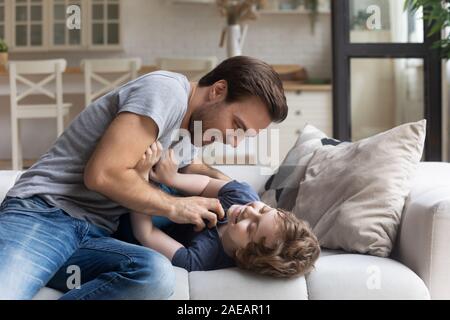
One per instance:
(52, 70)
(193, 68)
(92, 69)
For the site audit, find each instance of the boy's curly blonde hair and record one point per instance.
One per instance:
(293, 255)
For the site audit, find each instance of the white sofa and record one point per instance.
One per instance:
(417, 269)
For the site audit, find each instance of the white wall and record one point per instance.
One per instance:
(154, 28)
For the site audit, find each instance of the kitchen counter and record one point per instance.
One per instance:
(300, 86)
(288, 85)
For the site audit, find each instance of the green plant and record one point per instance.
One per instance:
(3, 46)
(436, 14)
(313, 7)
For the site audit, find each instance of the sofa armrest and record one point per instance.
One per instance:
(423, 242)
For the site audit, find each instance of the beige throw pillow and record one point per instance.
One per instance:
(353, 194)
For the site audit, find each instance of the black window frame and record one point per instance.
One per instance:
(344, 51)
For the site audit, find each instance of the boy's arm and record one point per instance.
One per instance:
(151, 237)
(197, 167)
(166, 172)
(197, 185)
(199, 256)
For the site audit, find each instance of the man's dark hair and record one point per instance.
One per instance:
(249, 77)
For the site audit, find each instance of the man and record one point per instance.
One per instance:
(59, 216)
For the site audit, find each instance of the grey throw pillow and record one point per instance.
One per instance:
(282, 188)
(353, 194)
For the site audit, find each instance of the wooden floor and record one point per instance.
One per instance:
(6, 164)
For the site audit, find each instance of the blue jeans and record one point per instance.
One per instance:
(41, 245)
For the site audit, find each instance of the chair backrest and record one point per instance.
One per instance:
(193, 68)
(92, 68)
(18, 70)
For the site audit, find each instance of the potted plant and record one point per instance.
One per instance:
(437, 15)
(3, 52)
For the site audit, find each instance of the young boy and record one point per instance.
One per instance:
(253, 235)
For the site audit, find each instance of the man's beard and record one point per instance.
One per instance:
(208, 115)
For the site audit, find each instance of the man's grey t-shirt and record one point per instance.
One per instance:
(58, 175)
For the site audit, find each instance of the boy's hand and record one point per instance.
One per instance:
(151, 156)
(166, 170)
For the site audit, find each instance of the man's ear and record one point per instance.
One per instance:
(219, 91)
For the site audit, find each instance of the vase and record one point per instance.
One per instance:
(3, 58)
(234, 40)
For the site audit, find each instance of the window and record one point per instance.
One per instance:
(105, 17)
(28, 25)
(395, 24)
(385, 74)
(2, 19)
(61, 36)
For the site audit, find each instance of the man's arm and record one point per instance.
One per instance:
(197, 167)
(111, 172)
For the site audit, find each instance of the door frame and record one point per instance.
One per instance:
(344, 51)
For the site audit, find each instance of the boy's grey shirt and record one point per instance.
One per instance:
(57, 177)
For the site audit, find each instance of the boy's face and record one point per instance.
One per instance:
(250, 223)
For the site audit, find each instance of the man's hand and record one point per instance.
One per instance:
(151, 156)
(193, 210)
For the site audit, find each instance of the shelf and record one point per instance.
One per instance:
(296, 11)
(193, 1)
(261, 11)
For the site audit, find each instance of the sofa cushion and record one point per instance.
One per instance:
(353, 194)
(48, 294)
(363, 277)
(337, 275)
(236, 284)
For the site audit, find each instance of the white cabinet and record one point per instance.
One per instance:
(43, 25)
(305, 107)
